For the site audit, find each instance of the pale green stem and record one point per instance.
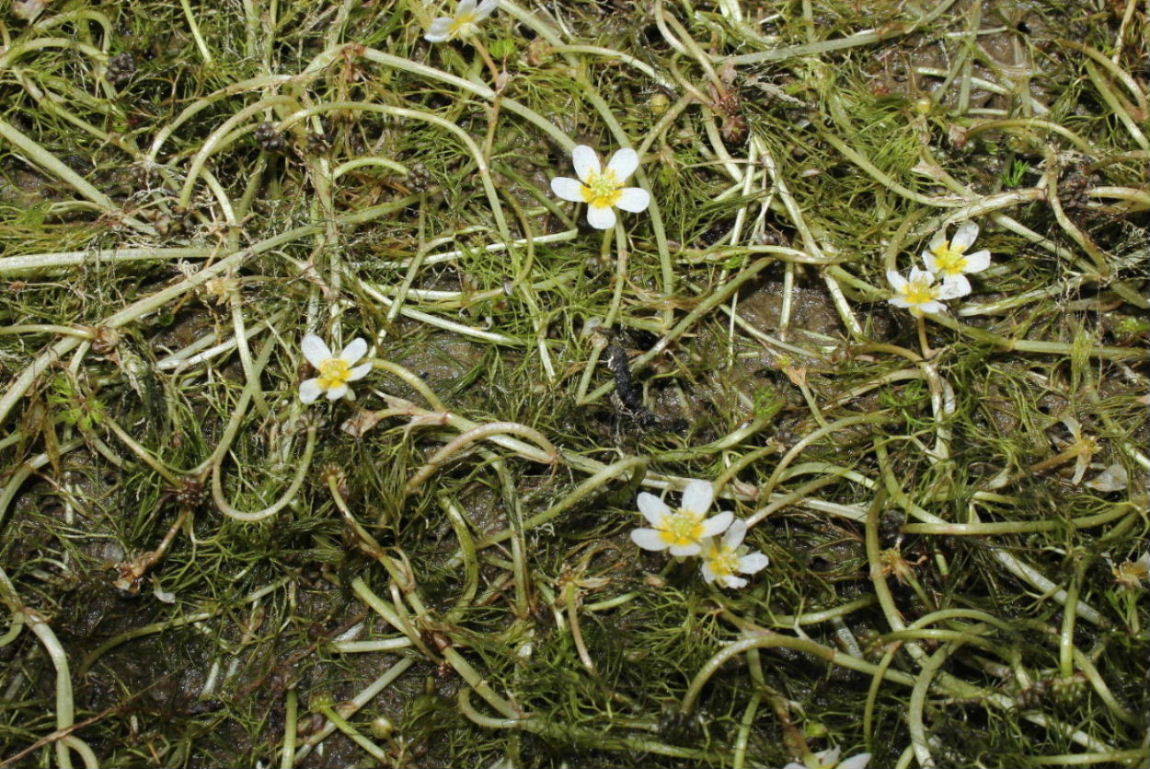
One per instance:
(288, 495)
(869, 37)
(291, 714)
(53, 165)
(35, 264)
(327, 708)
(917, 704)
(356, 703)
(547, 454)
(195, 28)
(65, 708)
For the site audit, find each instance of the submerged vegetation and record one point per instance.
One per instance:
(929, 512)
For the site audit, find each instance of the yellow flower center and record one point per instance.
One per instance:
(950, 259)
(918, 291)
(333, 372)
(723, 562)
(681, 527)
(602, 189)
(463, 25)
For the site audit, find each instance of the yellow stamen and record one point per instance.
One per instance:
(949, 259)
(918, 292)
(723, 562)
(602, 189)
(463, 25)
(681, 527)
(333, 373)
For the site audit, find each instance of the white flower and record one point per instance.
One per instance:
(334, 373)
(829, 759)
(948, 258)
(1131, 574)
(682, 530)
(919, 294)
(464, 24)
(722, 560)
(602, 189)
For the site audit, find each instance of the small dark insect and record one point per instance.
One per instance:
(630, 397)
(629, 394)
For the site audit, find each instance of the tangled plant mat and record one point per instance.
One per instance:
(583, 384)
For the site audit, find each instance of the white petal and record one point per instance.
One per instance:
(964, 236)
(439, 31)
(586, 162)
(830, 756)
(978, 261)
(359, 372)
(698, 496)
(752, 563)
(601, 218)
(648, 539)
(623, 163)
(899, 301)
(652, 508)
(929, 307)
(485, 9)
(916, 275)
(566, 188)
(309, 390)
(954, 286)
(793, 765)
(930, 261)
(855, 762)
(633, 199)
(732, 581)
(708, 573)
(735, 533)
(716, 525)
(338, 392)
(685, 549)
(896, 280)
(465, 7)
(354, 351)
(315, 350)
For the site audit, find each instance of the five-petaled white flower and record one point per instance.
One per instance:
(724, 559)
(948, 258)
(682, 530)
(829, 759)
(334, 372)
(464, 24)
(919, 294)
(602, 188)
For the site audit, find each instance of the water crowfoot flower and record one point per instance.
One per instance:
(722, 560)
(948, 258)
(1131, 575)
(682, 530)
(602, 189)
(464, 24)
(334, 372)
(829, 759)
(919, 294)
